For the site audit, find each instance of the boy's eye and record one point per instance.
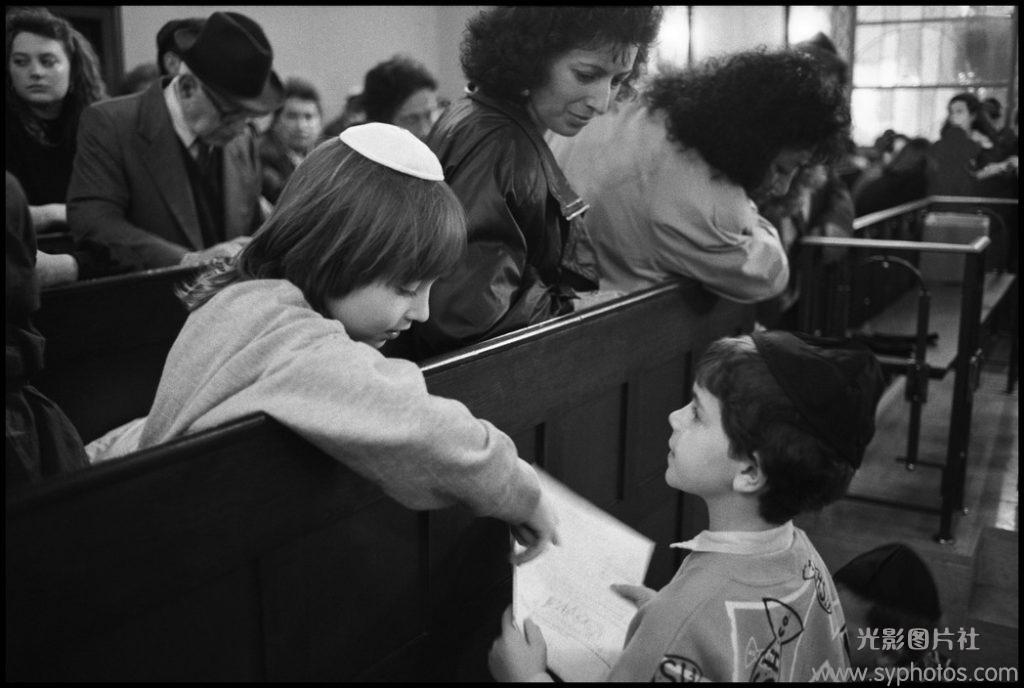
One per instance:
(585, 77)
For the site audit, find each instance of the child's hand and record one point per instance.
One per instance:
(637, 594)
(535, 532)
(515, 657)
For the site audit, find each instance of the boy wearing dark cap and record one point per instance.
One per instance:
(777, 426)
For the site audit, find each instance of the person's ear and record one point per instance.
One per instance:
(749, 477)
(188, 86)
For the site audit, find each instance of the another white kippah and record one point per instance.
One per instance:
(394, 147)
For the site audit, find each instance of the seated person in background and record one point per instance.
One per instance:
(889, 587)
(39, 439)
(1008, 135)
(352, 114)
(171, 176)
(900, 180)
(52, 76)
(138, 79)
(291, 327)
(531, 69)
(402, 92)
(965, 161)
(293, 133)
(777, 426)
(168, 52)
(672, 178)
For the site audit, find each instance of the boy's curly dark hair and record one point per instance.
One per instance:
(742, 110)
(803, 473)
(508, 49)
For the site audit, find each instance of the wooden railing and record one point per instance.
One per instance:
(838, 301)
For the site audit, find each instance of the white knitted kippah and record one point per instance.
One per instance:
(394, 147)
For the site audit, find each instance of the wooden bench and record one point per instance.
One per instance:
(958, 313)
(242, 553)
(106, 342)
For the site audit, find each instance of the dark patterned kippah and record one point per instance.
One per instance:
(895, 576)
(835, 385)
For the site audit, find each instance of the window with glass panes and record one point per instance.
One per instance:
(909, 60)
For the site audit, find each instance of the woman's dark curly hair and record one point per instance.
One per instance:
(803, 473)
(86, 84)
(507, 50)
(742, 110)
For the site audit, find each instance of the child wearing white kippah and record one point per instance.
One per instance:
(292, 327)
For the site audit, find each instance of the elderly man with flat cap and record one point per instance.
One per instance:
(170, 176)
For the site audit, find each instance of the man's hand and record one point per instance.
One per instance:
(44, 217)
(536, 532)
(639, 595)
(225, 250)
(55, 268)
(517, 657)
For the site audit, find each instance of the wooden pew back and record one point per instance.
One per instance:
(243, 553)
(106, 342)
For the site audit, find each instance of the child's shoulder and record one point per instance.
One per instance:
(256, 306)
(256, 296)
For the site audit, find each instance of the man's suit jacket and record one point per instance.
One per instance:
(130, 189)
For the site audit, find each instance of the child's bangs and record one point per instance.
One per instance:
(432, 236)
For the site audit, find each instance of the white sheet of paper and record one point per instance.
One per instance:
(566, 591)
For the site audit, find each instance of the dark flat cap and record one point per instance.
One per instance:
(835, 385)
(895, 576)
(165, 38)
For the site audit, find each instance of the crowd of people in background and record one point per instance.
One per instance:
(582, 177)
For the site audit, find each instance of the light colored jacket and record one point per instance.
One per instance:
(259, 346)
(658, 211)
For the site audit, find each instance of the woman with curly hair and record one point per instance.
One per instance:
(530, 70)
(673, 178)
(52, 76)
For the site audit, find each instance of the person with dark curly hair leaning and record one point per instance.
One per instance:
(530, 70)
(673, 177)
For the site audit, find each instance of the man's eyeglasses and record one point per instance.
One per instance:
(226, 110)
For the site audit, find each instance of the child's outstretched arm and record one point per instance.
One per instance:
(536, 532)
(517, 657)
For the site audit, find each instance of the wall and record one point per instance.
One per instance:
(332, 47)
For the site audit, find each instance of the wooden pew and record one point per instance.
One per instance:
(960, 313)
(106, 342)
(242, 553)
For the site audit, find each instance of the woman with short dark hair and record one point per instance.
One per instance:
(402, 92)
